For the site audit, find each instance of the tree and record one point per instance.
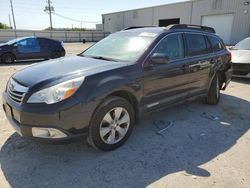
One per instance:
(4, 26)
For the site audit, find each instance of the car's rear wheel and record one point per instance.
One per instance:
(8, 58)
(111, 124)
(213, 96)
(55, 55)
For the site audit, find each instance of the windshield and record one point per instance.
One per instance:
(15, 40)
(124, 47)
(12, 41)
(243, 45)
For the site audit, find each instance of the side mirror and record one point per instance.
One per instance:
(159, 58)
(16, 45)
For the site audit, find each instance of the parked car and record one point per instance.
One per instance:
(105, 90)
(241, 58)
(30, 48)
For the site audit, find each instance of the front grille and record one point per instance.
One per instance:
(16, 91)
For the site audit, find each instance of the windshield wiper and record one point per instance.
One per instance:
(103, 58)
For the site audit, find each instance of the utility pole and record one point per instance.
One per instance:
(49, 9)
(50, 15)
(10, 21)
(13, 14)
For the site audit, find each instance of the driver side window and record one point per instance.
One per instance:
(171, 47)
(22, 43)
(29, 45)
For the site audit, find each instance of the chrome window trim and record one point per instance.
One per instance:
(186, 57)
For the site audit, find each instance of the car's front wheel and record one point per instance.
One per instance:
(213, 96)
(8, 58)
(111, 124)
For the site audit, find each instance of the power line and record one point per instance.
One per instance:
(75, 20)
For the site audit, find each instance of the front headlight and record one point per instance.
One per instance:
(56, 93)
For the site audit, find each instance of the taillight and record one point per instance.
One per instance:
(229, 56)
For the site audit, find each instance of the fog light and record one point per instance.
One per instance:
(47, 133)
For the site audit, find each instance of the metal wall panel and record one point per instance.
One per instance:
(190, 12)
(241, 22)
(66, 36)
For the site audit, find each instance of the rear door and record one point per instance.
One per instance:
(166, 83)
(220, 54)
(200, 59)
(45, 47)
(218, 49)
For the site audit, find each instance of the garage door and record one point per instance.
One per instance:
(221, 23)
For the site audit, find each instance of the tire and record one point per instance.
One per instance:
(213, 96)
(8, 58)
(55, 55)
(111, 124)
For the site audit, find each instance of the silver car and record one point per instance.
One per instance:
(241, 58)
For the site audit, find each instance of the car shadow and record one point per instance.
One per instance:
(180, 138)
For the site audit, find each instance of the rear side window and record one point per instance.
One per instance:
(44, 42)
(196, 44)
(216, 43)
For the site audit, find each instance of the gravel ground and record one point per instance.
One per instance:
(202, 146)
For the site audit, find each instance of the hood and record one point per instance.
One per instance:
(240, 56)
(3, 45)
(63, 67)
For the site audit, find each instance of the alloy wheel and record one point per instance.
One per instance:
(8, 59)
(114, 125)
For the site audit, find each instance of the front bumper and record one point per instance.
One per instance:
(241, 70)
(72, 120)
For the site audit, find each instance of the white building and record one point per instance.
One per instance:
(230, 18)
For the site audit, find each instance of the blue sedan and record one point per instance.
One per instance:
(30, 48)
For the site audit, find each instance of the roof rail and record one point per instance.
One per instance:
(194, 27)
(136, 27)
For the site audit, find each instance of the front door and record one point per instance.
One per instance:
(28, 49)
(166, 82)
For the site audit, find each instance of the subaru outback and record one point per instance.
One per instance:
(103, 92)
